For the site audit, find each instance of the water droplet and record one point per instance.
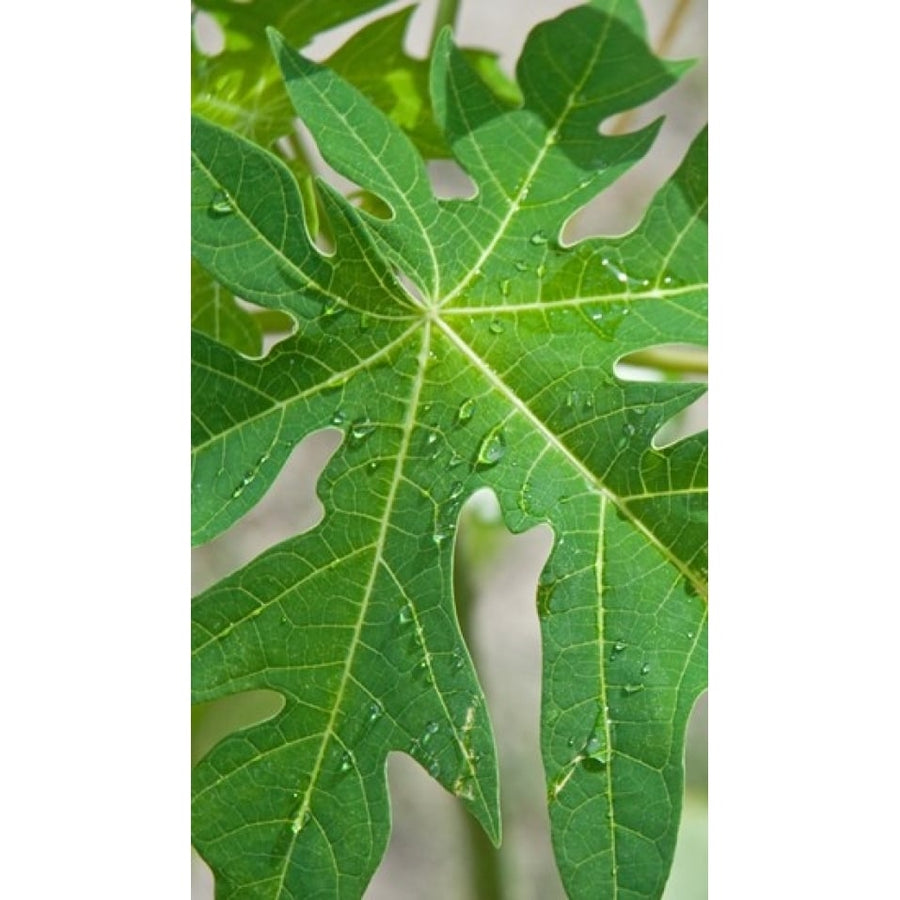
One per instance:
(462, 787)
(594, 743)
(545, 590)
(456, 490)
(608, 318)
(423, 670)
(376, 711)
(493, 447)
(298, 824)
(645, 668)
(432, 728)
(454, 461)
(458, 659)
(619, 646)
(541, 270)
(441, 532)
(570, 742)
(572, 399)
(504, 287)
(521, 266)
(406, 614)
(538, 238)
(496, 326)
(360, 430)
(221, 204)
(372, 466)
(339, 417)
(431, 438)
(690, 634)
(632, 688)
(434, 768)
(667, 279)
(639, 410)
(346, 762)
(628, 429)
(332, 307)
(364, 322)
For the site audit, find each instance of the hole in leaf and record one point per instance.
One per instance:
(291, 505)
(275, 324)
(449, 180)
(690, 420)
(689, 868)
(660, 361)
(411, 287)
(358, 196)
(208, 34)
(202, 882)
(427, 841)
(696, 746)
(215, 720)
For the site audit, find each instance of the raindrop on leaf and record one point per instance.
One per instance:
(493, 447)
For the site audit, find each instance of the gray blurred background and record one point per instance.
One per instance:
(430, 850)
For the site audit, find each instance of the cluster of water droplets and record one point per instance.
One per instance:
(249, 476)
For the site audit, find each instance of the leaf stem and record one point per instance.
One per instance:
(447, 12)
(676, 18)
(484, 868)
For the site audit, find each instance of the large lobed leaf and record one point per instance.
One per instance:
(497, 371)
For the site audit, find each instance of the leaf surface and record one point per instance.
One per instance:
(496, 370)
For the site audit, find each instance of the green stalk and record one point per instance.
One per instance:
(672, 26)
(447, 12)
(486, 875)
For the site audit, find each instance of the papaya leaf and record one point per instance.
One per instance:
(458, 345)
(215, 312)
(374, 61)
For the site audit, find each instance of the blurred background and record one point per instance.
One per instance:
(433, 850)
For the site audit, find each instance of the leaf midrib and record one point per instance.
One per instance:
(516, 203)
(337, 378)
(409, 423)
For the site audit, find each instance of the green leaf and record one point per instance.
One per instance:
(375, 62)
(496, 371)
(215, 313)
(240, 88)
